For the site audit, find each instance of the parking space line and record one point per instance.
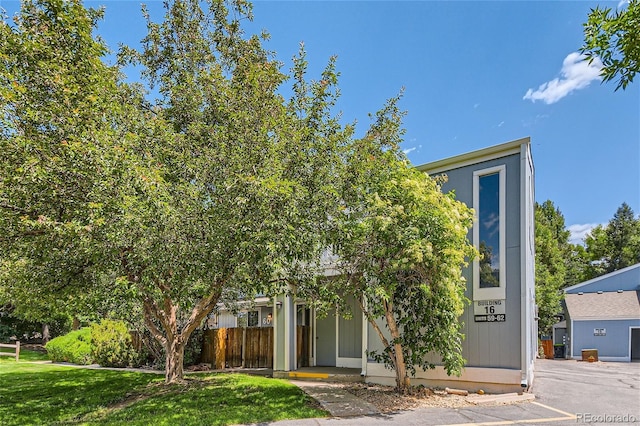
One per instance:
(567, 416)
(573, 416)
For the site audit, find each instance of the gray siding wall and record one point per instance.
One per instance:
(494, 344)
(614, 344)
(350, 332)
(226, 320)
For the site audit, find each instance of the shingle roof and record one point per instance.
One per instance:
(607, 305)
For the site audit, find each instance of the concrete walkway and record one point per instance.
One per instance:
(337, 401)
(341, 403)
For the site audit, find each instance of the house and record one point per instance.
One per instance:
(499, 325)
(604, 314)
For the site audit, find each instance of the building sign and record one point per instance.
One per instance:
(489, 310)
(599, 331)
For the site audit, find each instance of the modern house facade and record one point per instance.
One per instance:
(604, 314)
(499, 325)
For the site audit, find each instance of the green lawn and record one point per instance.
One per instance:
(25, 355)
(42, 394)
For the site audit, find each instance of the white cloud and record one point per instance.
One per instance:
(501, 124)
(408, 150)
(580, 231)
(622, 3)
(576, 73)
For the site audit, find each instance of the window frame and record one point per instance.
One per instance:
(490, 293)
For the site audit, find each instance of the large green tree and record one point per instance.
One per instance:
(212, 189)
(401, 245)
(615, 246)
(56, 159)
(552, 254)
(614, 38)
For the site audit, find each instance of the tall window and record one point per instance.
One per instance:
(489, 234)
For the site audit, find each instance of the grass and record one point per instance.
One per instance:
(44, 394)
(25, 355)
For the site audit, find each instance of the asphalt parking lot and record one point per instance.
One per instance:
(596, 393)
(567, 393)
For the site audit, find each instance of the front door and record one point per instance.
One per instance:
(326, 341)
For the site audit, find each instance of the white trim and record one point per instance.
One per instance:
(613, 358)
(365, 341)
(275, 334)
(469, 374)
(474, 157)
(348, 362)
(631, 328)
(606, 319)
(287, 333)
(492, 293)
(337, 336)
(570, 334)
(295, 333)
(314, 342)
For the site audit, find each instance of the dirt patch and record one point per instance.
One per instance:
(387, 400)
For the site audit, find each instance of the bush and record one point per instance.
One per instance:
(112, 345)
(73, 347)
(193, 348)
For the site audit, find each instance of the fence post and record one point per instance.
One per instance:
(221, 348)
(17, 350)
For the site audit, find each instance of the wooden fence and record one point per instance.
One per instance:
(248, 347)
(15, 353)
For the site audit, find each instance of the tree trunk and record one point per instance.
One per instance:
(402, 380)
(172, 336)
(76, 324)
(174, 364)
(45, 333)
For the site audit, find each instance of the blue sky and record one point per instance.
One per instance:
(475, 74)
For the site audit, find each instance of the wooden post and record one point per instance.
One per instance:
(244, 346)
(221, 348)
(18, 351)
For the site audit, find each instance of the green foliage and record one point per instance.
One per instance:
(36, 394)
(118, 204)
(615, 246)
(111, 345)
(553, 251)
(74, 347)
(402, 244)
(614, 39)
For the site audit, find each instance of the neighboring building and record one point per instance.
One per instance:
(500, 327)
(604, 314)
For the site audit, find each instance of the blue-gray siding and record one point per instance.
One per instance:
(624, 279)
(614, 344)
(495, 344)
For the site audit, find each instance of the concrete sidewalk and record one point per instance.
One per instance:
(337, 401)
(341, 403)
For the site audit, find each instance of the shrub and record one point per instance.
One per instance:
(73, 347)
(112, 345)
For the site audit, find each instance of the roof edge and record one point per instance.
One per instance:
(601, 277)
(485, 154)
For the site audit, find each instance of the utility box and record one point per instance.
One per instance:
(588, 353)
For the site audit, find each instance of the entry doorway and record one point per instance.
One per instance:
(635, 343)
(326, 340)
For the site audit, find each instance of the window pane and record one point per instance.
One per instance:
(489, 230)
(253, 319)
